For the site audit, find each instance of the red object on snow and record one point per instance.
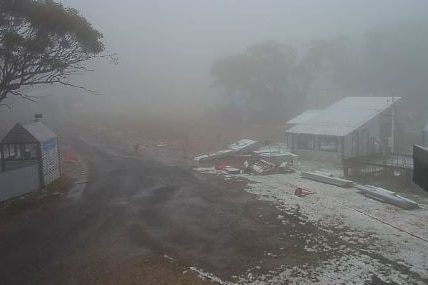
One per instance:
(68, 156)
(302, 192)
(221, 165)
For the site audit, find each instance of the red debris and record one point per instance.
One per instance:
(302, 192)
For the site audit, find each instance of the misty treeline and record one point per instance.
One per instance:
(275, 81)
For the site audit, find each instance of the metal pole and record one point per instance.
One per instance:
(3, 168)
(393, 127)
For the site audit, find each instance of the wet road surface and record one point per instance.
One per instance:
(134, 210)
(134, 207)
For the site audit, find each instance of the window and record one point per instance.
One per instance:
(30, 151)
(11, 150)
(5, 151)
(305, 142)
(328, 143)
(20, 151)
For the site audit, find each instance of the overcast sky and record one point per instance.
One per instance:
(170, 45)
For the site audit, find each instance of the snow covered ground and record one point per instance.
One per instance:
(373, 238)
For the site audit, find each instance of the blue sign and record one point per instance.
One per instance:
(48, 145)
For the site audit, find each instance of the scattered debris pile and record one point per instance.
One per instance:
(275, 153)
(261, 167)
(244, 146)
(250, 156)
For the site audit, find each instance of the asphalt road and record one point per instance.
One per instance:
(133, 207)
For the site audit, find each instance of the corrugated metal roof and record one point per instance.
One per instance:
(303, 117)
(29, 133)
(344, 116)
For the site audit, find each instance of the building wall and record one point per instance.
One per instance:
(319, 155)
(348, 150)
(15, 164)
(345, 145)
(364, 148)
(19, 182)
(50, 161)
(315, 153)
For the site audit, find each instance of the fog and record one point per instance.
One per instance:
(234, 142)
(166, 48)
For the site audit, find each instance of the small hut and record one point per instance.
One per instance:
(32, 143)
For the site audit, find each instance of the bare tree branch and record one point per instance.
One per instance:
(80, 87)
(24, 96)
(37, 49)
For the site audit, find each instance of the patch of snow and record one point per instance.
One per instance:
(334, 208)
(208, 276)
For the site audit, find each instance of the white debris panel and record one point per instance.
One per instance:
(326, 178)
(240, 147)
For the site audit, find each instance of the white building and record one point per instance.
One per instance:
(352, 127)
